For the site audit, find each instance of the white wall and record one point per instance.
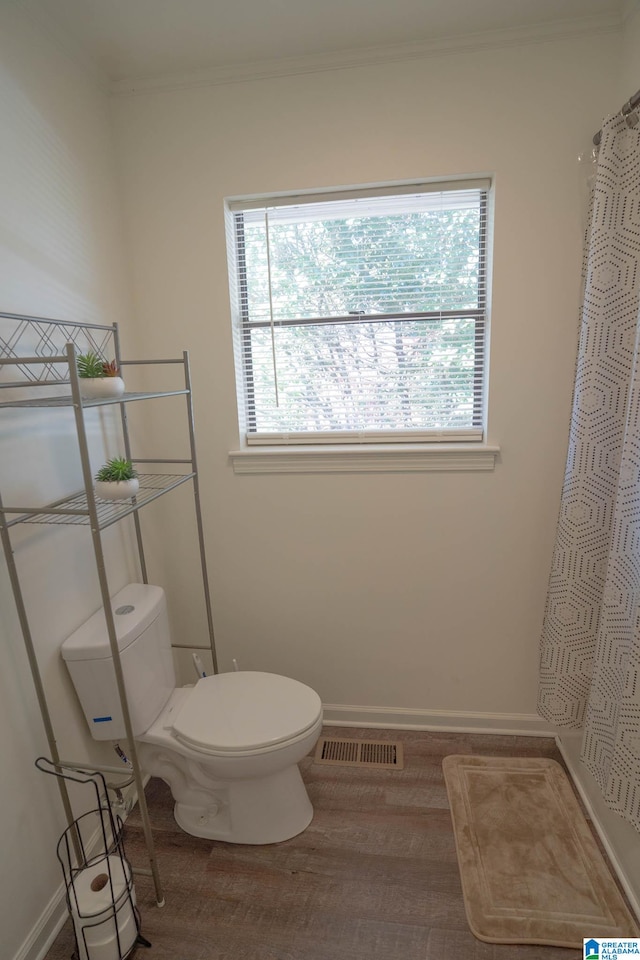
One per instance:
(59, 257)
(630, 60)
(405, 591)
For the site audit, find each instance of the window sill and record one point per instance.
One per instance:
(367, 458)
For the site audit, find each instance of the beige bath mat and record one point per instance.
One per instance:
(531, 870)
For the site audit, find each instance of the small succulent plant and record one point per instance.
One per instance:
(119, 468)
(110, 369)
(89, 365)
(92, 366)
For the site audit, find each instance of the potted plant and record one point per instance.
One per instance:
(99, 378)
(116, 480)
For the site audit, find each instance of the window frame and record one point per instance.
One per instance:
(357, 450)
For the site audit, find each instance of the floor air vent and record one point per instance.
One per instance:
(360, 753)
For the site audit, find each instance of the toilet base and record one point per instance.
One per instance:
(264, 810)
(239, 798)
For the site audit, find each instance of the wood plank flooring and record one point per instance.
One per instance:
(374, 877)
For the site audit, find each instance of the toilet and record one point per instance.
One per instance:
(228, 747)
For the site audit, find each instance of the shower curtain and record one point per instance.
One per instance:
(590, 649)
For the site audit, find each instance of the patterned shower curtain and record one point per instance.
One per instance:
(590, 649)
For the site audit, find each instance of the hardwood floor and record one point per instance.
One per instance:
(374, 877)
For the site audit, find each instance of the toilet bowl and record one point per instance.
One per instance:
(228, 747)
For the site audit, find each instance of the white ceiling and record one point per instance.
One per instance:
(127, 39)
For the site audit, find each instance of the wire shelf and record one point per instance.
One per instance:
(45, 338)
(67, 401)
(38, 357)
(74, 510)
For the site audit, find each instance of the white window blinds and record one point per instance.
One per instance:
(362, 317)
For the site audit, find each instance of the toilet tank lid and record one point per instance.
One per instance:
(134, 607)
(247, 710)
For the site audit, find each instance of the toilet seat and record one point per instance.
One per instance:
(245, 712)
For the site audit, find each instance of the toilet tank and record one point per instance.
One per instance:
(142, 629)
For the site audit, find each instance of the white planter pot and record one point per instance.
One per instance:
(116, 490)
(99, 388)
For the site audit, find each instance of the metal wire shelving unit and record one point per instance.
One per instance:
(39, 354)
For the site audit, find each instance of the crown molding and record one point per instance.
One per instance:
(368, 56)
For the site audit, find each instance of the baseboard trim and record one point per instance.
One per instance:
(619, 837)
(446, 721)
(49, 925)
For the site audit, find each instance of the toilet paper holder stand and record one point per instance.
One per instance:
(98, 877)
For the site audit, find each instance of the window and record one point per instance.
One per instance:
(361, 316)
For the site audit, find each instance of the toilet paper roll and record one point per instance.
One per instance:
(92, 908)
(92, 893)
